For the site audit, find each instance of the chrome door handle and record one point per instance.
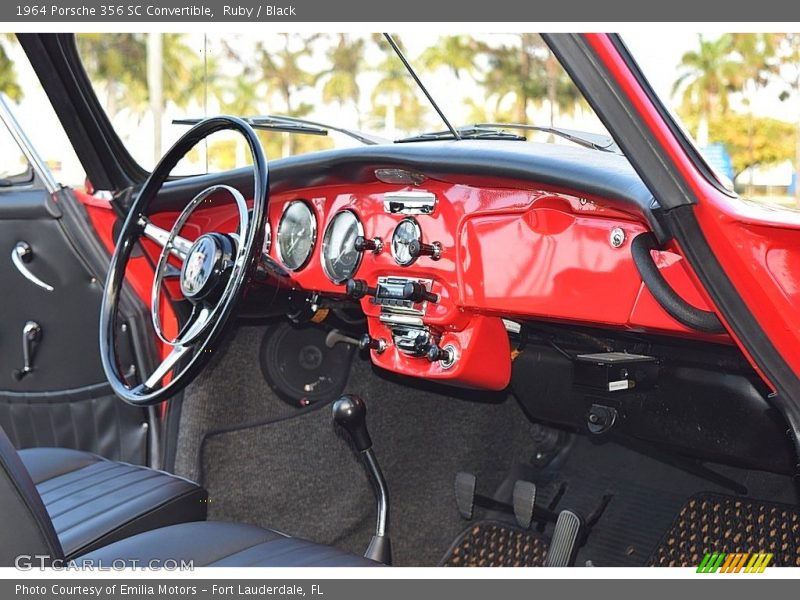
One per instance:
(21, 254)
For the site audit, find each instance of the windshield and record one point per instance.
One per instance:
(349, 81)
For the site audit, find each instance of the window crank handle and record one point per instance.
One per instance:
(31, 334)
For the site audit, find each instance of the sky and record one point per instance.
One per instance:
(658, 54)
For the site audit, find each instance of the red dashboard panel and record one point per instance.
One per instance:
(506, 252)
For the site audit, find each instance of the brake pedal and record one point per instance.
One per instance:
(465, 494)
(564, 544)
(524, 500)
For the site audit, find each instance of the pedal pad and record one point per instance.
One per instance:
(524, 499)
(564, 544)
(465, 494)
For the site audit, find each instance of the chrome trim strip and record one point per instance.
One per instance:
(398, 319)
(413, 202)
(37, 164)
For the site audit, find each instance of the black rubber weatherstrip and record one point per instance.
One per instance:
(660, 174)
(670, 301)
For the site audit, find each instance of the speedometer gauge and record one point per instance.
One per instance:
(297, 233)
(340, 259)
(406, 232)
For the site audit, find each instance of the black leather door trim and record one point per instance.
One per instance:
(89, 418)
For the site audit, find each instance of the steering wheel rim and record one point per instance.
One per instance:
(191, 351)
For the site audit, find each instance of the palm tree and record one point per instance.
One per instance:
(283, 74)
(756, 65)
(707, 75)
(789, 54)
(395, 88)
(8, 75)
(117, 64)
(143, 73)
(458, 53)
(530, 73)
(340, 81)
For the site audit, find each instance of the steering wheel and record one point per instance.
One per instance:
(213, 273)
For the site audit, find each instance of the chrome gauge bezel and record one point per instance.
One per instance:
(325, 241)
(267, 245)
(418, 231)
(280, 234)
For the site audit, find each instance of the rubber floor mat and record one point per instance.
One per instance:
(495, 544)
(719, 523)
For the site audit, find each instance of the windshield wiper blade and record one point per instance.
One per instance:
(497, 131)
(367, 139)
(476, 132)
(595, 141)
(279, 125)
(286, 124)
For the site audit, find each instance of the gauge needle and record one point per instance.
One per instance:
(296, 240)
(347, 242)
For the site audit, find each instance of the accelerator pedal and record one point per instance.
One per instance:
(566, 536)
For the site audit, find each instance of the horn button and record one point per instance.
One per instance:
(207, 265)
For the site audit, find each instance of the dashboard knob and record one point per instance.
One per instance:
(417, 248)
(416, 292)
(375, 245)
(371, 343)
(358, 288)
(444, 355)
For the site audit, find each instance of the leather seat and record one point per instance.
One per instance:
(93, 501)
(218, 544)
(75, 481)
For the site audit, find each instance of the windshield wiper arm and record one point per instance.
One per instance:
(267, 124)
(595, 141)
(415, 77)
(285, 124)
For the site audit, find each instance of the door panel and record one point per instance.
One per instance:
(64, 399)
(66, 354)
(90, 418)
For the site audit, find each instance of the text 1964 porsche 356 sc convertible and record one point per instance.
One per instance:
(572, 353)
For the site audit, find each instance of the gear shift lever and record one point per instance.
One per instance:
(350, 413)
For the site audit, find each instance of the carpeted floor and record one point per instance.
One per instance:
(270, 464)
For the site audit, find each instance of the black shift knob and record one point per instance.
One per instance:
(350, 413)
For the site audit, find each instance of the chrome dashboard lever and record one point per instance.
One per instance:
(22, 254)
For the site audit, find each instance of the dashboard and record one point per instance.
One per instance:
(443, 271)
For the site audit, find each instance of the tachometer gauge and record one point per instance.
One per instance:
(340, 259)
(297, 233)
(406, 232)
